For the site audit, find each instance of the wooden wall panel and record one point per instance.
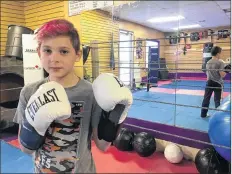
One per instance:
(39, 12)
(97, 26)
(192, 60)
(12, 12)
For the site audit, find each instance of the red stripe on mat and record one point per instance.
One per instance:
(129, 162)
(14, 143)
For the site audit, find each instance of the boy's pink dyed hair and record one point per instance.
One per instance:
(59, 27)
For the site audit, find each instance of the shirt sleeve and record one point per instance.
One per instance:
(222, 66)
(20, 111)
(96, 114)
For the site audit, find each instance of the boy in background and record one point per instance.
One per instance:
(215, 74)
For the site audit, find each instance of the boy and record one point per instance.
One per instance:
(59, 115)
(215, 74)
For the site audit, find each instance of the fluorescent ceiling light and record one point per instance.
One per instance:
(187, 26)
(165, 19)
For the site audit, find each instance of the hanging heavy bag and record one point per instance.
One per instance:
(220, 34)
(196, 36)
(201, 35)
(173, 39)
(85, 49)
(192, 37)
(225, 33)
(205, 34)
(206, 54)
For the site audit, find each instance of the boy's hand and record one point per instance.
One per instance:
(50, 102)
(115, 99)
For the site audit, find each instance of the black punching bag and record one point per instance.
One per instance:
(124, 140)
(206, 54)
(85, 49)
(208, 161)
(144, 144)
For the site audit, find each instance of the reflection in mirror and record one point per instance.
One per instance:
(179, 33)
(160, 50)
(141, 60)
(198, 85)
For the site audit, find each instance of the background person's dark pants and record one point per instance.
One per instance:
(210, 88)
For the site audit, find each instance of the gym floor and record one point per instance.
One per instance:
(130, 162)
(183, 92)
(15, 161)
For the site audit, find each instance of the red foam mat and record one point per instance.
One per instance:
(14, 143)
(114, 161)
(129, 162)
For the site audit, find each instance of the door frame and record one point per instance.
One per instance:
(148, 59)
(153, 40)
(132, 54)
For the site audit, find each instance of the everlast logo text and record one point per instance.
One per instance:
(49, 96)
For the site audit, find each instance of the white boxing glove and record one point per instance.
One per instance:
(109, 91)
(49, 103)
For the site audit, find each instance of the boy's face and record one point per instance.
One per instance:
(58, 56)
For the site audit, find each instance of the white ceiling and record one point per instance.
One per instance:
(208, 14)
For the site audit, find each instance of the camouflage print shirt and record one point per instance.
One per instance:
(67, 148)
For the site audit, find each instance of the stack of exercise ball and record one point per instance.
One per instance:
(173, 153)
(142, 143)
(124, 140)
(216, 159)
(208, 161)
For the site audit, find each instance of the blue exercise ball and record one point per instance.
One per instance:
(219, 130)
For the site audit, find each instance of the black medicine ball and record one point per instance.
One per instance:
(124, 140)
(208, 161)
(144, 144)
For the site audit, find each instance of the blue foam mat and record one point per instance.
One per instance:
(182, 116)
(13, 160)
